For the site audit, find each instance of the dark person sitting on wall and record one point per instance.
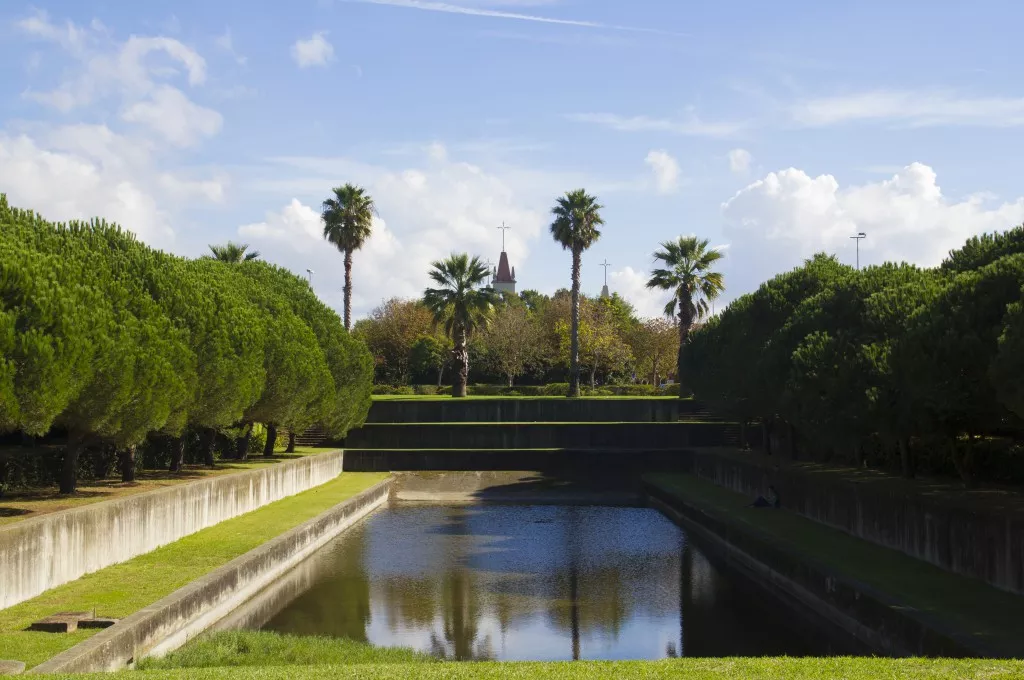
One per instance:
(772, 499)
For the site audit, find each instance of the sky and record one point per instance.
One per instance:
(775, 130)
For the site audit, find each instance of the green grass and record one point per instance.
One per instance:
(587, 423)
(260, 648)
(834, 668)
(26, 504)
(122, 589)
(969, 605)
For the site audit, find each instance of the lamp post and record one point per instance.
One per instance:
(860, 235)
(309, 275)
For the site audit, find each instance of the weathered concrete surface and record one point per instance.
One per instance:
(983, 545)
(537, 436)
(41, 553)
(169, 623)
(626, 461)
(11, 667)
(868, 615)
(526, 410)
(514, 487)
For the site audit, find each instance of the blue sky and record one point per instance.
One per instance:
(774, 129)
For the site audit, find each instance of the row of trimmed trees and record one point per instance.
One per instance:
(893, 362)
(111, 341)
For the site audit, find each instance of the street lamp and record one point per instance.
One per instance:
(309, 273)
(860, 235)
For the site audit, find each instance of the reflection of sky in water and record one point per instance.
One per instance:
(534, 582)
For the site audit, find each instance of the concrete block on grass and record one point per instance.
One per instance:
(12, 667)
(61, 622)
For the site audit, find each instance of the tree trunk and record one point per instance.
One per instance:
(964, 460)
(906, 458)
(593, 377)
(242, 452)
(440, 375)
(510, 379)
(177, 454)
(684, 333)
(209, 438)
(348, 290)
(127, 461)
(291, 442)
(460, 356)
(69, 467)
(268, 449)
(101, 463)
(574, 330)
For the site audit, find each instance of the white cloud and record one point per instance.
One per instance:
(788, 215)
(314, 51)
(632, 285)
(226, 42)
(175, 117)
(691, 125)
(665, 169)
(433, 206)
(64, 186)
(739, 161)
(915, 108)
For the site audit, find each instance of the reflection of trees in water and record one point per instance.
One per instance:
(460, 616)
(409, 601)
(337, 606)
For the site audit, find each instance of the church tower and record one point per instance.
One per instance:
(504, 280)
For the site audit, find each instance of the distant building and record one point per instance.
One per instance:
(504, 279)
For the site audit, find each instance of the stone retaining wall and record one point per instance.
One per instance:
(526, 410)
(168, 624)
(988, 546)
(41, 553)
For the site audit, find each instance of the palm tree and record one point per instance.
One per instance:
(577, 217)
(688, 274)
(233, 253)
(348, 221)
(462, 305)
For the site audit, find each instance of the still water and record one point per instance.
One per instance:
(531, 582)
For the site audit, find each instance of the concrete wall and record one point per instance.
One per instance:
(41, 553)
(613, 460)
(171, 622)
(525, 410)
(869, 616)
(538, 436)
(982, 545)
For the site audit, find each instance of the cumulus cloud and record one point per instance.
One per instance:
(665, 169)
(789, 215)
(739, 161)
(433, 206)
(120, 173)
(632, 285)
(313, 51)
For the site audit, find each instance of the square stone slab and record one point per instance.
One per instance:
(11, 667)
(96, 623)
(61, 622)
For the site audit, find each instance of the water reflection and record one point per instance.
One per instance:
(527, 582)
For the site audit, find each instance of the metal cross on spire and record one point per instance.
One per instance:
(605, 264)
(503, 230)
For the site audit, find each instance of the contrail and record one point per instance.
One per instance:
(429, 6)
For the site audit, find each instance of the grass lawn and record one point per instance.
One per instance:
(965, 604)
(541, 423)
(122, 589)
(20, 505)
(835, 668)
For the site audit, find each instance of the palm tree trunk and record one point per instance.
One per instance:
(460, 355)
(348, 290)
(684, 333)
(574, 339)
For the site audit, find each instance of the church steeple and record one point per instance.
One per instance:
(504, 277)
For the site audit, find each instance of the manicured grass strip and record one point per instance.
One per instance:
(968, 605)
(263, 648)
(833, 668)
(122, 589)
(22, 505)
